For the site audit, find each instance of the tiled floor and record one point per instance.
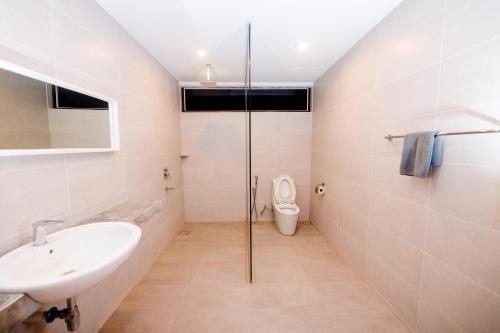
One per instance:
(198, 284)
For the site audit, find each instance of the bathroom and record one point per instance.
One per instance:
(305, 166)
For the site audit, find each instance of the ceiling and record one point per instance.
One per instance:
(292, 40)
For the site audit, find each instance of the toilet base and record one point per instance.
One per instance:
(287, 229)
(287, 223)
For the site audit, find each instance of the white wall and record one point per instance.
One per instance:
(429, 246)
(77, 42)
(214, 172)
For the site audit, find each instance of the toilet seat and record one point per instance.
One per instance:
(284, 190)
(288, 208)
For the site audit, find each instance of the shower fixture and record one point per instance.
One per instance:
(208, 82)
(263, 211)
(254, 197)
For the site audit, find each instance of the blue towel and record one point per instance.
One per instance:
(420, 151)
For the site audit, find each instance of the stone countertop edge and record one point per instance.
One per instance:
(14, 308)
(133, 212)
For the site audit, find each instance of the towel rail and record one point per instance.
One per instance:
(485, 131)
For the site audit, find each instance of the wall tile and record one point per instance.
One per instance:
(77, 42)
(404, 218)
(386, 178)
(412, 96)
(383, 147)
(436, 69)
(351, 249)
(406, 50)
(94, 182)
(470, 149)
(431, 320)
(353, 222)
(360, 68)
(358, 110)
(469, 192)
(353, 195)
(468, 248)
(469, 23)
(30, 30)
(215, 142)
(460, 299)
(466, 81)
(402, 257)
(402, 297)
(32, 194)
(81, 51)
(355, 168)
(410, 13)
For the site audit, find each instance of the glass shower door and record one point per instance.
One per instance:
(248, 128)
(216, 144)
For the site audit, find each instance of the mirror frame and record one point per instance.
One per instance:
(114, 125)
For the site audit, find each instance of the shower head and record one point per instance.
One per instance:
(208, 82)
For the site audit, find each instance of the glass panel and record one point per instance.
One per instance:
(216, 143)
(250, 191)
(281, 134)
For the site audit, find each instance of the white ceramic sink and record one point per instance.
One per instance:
(73, 260)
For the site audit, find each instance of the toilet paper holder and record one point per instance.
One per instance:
(319, 189)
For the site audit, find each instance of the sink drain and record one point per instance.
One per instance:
(68, 272)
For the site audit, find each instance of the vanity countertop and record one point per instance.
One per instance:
(133, 212)
(14, 308)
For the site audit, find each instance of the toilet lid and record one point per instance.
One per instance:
(284, 189)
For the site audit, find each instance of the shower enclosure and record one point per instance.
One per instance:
(216, 138)
(237, 137)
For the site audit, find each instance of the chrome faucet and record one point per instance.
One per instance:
(39, 233)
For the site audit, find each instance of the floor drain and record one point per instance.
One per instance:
(184, 233)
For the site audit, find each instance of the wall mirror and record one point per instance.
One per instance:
(41, 115)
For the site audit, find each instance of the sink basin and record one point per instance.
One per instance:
(73, 260)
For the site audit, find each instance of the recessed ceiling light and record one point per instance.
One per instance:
(302, 46)
(201, 53)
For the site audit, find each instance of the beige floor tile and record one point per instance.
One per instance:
(151, 297)
(230, 272)
(284, 294)
(278, 271)
(223, 253)
(198, 284)
(293, 320)
(217, 321)
(170, 273)
(349, 298)
(369, 322)
(217, 295)
(124, 320)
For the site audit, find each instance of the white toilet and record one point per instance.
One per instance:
(286, 210)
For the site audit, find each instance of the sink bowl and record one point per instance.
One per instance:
(73, 260)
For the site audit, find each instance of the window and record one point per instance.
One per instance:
(233, 99)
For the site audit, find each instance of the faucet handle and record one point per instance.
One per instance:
(45, 222)
(39, 233)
